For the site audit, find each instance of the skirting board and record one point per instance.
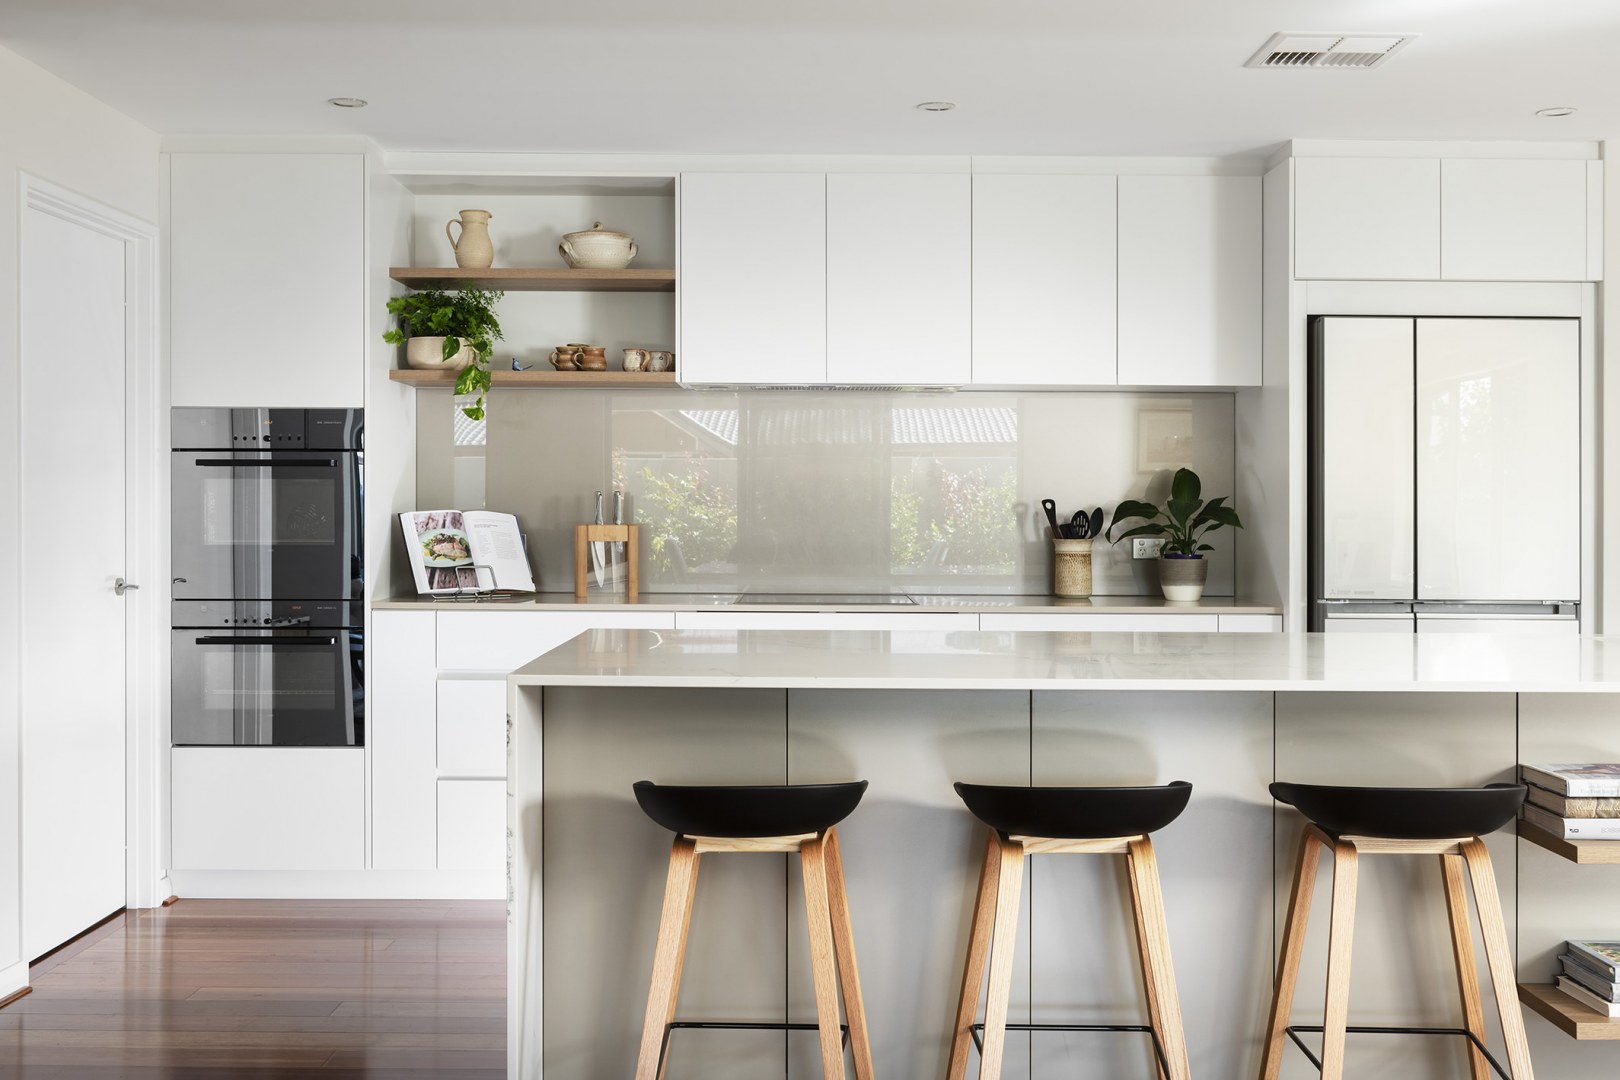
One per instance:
(13, 979)
(339, 884)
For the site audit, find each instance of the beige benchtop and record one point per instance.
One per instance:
(1010, 605)
(1100, 660)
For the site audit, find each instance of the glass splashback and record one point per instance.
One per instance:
(826, 492)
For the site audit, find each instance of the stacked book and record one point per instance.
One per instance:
(1589, 972)
(1574, 801)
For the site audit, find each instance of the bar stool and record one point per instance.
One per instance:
(774, 818)
(1061, 820)
(1355, 821)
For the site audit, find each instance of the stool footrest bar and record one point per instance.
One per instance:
(736, 1025)
(1293, 1030)
(977, 1031)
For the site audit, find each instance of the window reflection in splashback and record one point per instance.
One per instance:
(850, 491)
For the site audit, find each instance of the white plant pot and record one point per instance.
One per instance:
(427, 353)
(1182, 580)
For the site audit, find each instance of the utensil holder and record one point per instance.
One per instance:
(585, 535)
(1071, 568)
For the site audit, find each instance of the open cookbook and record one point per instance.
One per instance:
(456, 551)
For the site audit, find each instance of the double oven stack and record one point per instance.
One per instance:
(268, 576)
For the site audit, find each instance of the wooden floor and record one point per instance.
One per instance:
(253, 989)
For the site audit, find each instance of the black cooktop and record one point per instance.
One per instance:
(823, 599)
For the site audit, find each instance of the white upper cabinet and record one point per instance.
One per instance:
(899, 278)
(1044, 280)
(1370, 219)
(1452, 219)
(1189, 280)
(1513, 220)
(753, 278)
(267, 280)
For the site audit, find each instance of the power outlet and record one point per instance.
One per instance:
(1146, 547)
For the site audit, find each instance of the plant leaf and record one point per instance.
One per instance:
(1206, 547)
(1182, 509)
(1152, 528)
(1185, 486)
(1132, 508)
(1224, 515)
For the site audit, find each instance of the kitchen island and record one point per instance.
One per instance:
(913, 711)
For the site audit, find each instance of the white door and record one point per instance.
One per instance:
(1365, 373)
(1499, 459)
(72, 542)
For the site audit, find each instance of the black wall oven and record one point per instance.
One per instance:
(267, 556)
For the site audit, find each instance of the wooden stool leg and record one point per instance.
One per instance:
(849, 977)
(1462, 950)
(1003, 943)
(984, 916)
(1341, 935)
(679, 888)
(1144, 959)
(1498, 954)
(1293, 945)
(1159, 972)
(823, 962)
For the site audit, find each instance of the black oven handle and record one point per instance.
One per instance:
(261, 463)
(326, 642)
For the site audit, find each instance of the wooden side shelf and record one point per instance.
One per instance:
(1566, 1014)
(598, 380)
(535, 279)
(1577, 851)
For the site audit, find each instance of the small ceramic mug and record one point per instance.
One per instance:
(592, 358)
(565, 357)
(636, 359)
(660, 360)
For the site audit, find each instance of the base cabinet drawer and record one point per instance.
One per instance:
(472, 824)
(267, 808)
(1088, 620)
(471, 725)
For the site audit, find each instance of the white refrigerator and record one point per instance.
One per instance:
(1445, 490)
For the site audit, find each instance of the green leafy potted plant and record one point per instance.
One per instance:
(1186, 519)
(449, 331)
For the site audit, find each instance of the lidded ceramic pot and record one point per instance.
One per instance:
(597, 248)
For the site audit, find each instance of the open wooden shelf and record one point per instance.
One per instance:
(535, 279)
(1577, 851)
(1568, 1015)
(596, 380)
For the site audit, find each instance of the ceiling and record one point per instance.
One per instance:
(1124, 77)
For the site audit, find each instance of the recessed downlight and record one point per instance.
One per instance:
(936, 106)
(1558, 110)
(348, 102)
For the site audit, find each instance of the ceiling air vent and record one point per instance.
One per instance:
(1321, 50)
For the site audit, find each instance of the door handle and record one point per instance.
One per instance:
(120, 587)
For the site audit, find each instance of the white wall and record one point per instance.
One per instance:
(56, 132)
(1608, 478)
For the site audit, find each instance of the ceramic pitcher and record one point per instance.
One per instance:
(472, 247)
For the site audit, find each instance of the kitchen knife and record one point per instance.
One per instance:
(618, 553)
(599, 547)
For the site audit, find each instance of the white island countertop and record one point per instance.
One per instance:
(786, 600)
(985, 660)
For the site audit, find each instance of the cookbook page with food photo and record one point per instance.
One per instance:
(454, 551)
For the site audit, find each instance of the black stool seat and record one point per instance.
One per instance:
(1076, 813)
(1392, 813)
(752, 810)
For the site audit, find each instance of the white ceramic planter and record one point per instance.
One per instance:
(427, 353)
(1182, 580)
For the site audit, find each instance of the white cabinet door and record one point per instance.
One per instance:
(245, 230)
(1045, 286)
(472, 824)
(267, 808)
(401, 731)
(1499, 445)
(753, 278)
(472, 727)
(899, 278)
(1513, 220)
(1251, 624)
(1370, 219)
(1101, 620)
(1189, 280)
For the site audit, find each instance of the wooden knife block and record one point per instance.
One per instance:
(585, 535)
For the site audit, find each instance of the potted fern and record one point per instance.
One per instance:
(1186, 519)
(449, 332)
